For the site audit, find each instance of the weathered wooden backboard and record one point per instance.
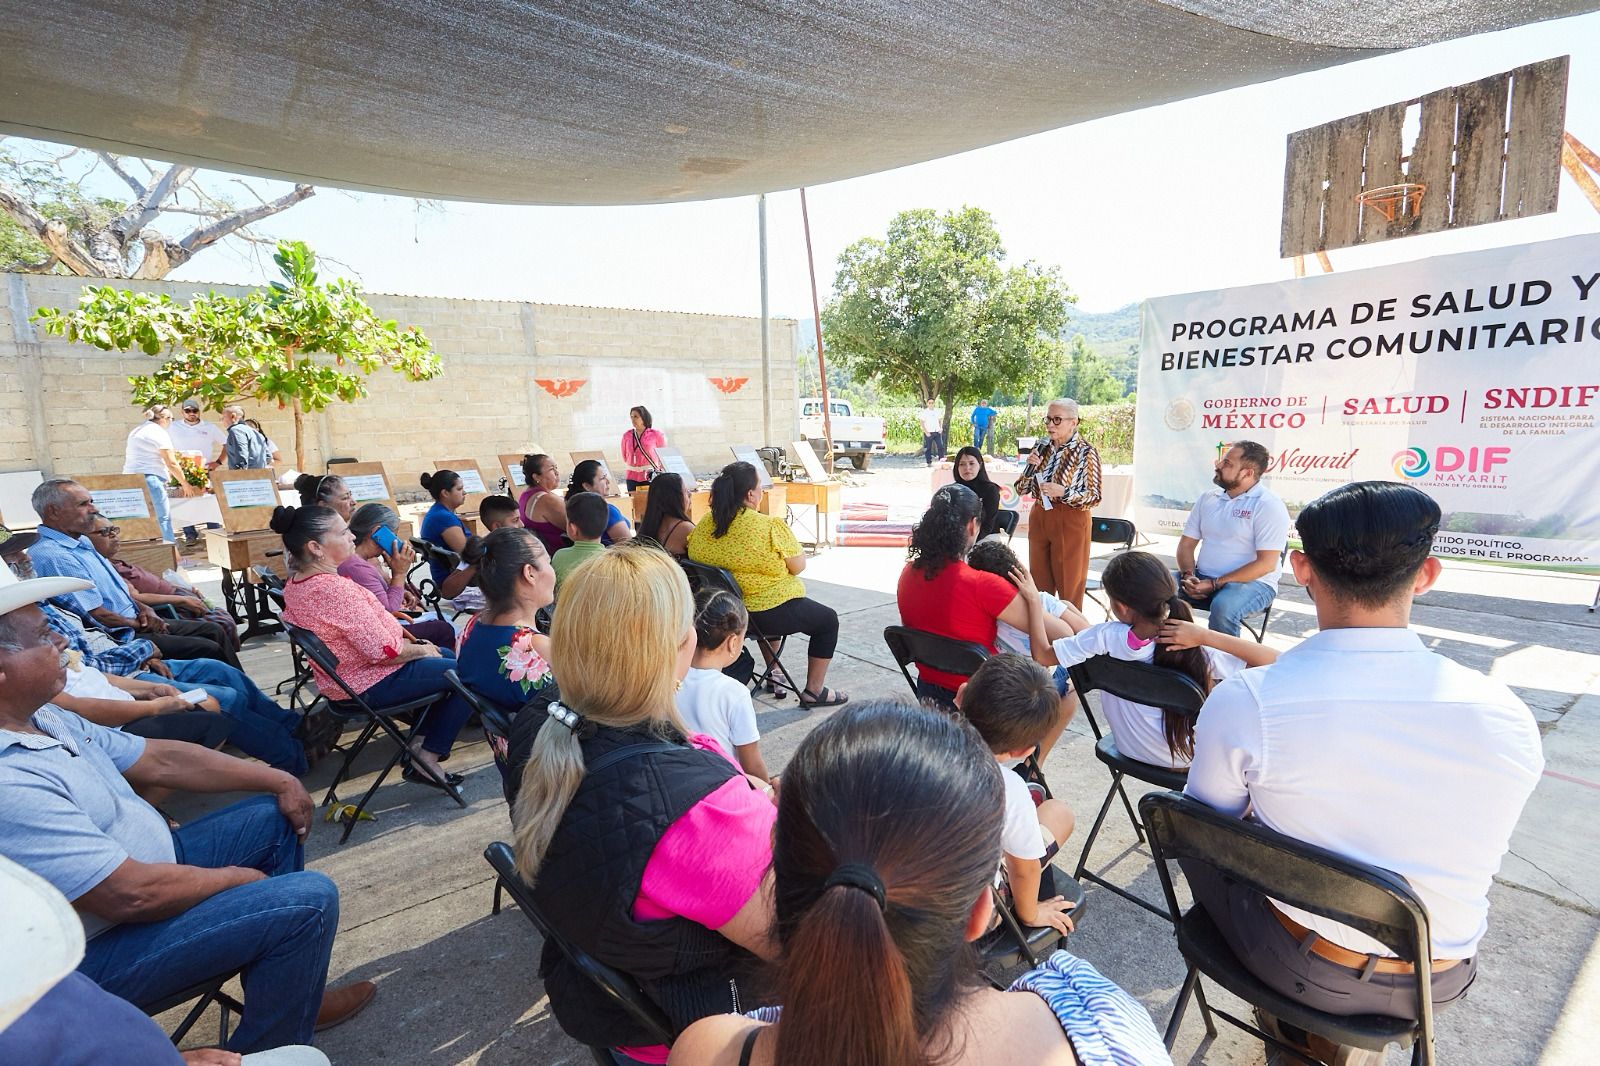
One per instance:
(1487, 151)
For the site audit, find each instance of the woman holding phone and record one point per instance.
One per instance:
(374, 526)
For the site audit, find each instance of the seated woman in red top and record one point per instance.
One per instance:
(939, 593)
(383, 663)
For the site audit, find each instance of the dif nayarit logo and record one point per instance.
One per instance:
(1448, 465)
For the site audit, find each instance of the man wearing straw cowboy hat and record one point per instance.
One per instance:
(163, 910)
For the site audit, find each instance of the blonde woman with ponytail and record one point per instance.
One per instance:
(887, 841)
(645, 847)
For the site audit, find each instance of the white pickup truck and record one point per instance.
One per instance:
(858, 437)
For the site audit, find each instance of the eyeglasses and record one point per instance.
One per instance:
(1056, 420)
(108, 531)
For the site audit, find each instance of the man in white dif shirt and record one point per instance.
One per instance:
(1362, 741)
(1241, 529)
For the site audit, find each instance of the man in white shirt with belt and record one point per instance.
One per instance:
(1241, 529)
(1362, 741)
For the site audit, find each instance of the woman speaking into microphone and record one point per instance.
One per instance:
(1063, 479)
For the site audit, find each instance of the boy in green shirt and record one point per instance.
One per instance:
(587, 514)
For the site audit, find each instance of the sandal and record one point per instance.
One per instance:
(417, 777)
(828, 697)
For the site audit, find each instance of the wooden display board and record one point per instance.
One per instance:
(746, 453)
(246, 498)
(673, 462)
(472, 477)
(809, 461)
(511, 464)
(124, 501)
(618, 487)
(368, 483)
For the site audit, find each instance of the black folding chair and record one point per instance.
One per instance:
(951, 656)
(1376, 902)
(1144, 683)
(1012, 944)
(377, 718)
(1259, 630)
(1108, 531)
(496, 724)
(1006, 522)
(428, 553)
(623, 991)
(205, 993)
(775, 673)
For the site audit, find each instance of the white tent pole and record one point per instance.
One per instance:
(766, 344)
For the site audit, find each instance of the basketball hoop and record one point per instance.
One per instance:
(1403, 200)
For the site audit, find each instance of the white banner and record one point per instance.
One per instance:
(1474, 377)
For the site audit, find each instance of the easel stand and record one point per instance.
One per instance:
(246, 499)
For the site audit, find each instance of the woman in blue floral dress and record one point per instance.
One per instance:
(502, 656)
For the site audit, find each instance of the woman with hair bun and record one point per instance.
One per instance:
(504, 658)
(440, 526)
(381, 661)
(888, 835)
(939, 593)
(540, 509)
(326, 490)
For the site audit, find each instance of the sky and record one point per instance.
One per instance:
(1179, 198)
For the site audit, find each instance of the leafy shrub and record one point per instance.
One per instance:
(1109, 427)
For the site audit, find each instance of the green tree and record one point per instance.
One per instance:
(931, 310)
(260, 346)
(1089, 378)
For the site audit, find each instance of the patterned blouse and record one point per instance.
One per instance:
(359, 630)
(753, 550)
(1074, 465)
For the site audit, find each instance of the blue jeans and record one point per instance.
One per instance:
(279, 930)
(1234, 602)
(416, 679)
(261, 728)
(932, 447)
(980, 435)
(158, 498)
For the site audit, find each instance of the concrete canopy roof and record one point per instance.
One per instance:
(648, 101)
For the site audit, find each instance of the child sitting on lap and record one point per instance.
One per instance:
(710, 702)
(587, 515)
(1153, 625)
(1012, 703)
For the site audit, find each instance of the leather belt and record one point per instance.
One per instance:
(1342, 956)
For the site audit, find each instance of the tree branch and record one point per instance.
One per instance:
(144, 210)
(209, 235)
(116, 168)
(22, 266)
(53, 235)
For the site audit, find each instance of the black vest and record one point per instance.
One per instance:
(590, 878)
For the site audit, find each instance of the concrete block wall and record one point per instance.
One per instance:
(510, 384)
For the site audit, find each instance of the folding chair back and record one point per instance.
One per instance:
(495, 721)
(205, 993)
(623, 991)
(1136, 682)
(1112, 531)
(1374, 901)
(701, 576)
(1006, 522)
(429, 552)
(354, 705)
(946, 654)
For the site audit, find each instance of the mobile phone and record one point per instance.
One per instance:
(384, 538)
(193, 696)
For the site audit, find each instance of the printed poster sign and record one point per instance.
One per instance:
(118, 504)
(366, 488)
(472, 480)
(1474, 377)
(249, 494)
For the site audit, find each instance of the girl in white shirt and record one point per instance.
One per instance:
(709, 701)
(1153, 625)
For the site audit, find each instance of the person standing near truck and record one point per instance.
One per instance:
(932, 433)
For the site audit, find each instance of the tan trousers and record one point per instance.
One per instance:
(1058, 550)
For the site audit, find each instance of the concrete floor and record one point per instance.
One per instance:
(458, 985)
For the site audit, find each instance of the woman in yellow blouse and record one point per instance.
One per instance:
(765, 559)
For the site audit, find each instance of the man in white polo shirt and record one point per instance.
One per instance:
(1241, 529)
(1362, 741)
